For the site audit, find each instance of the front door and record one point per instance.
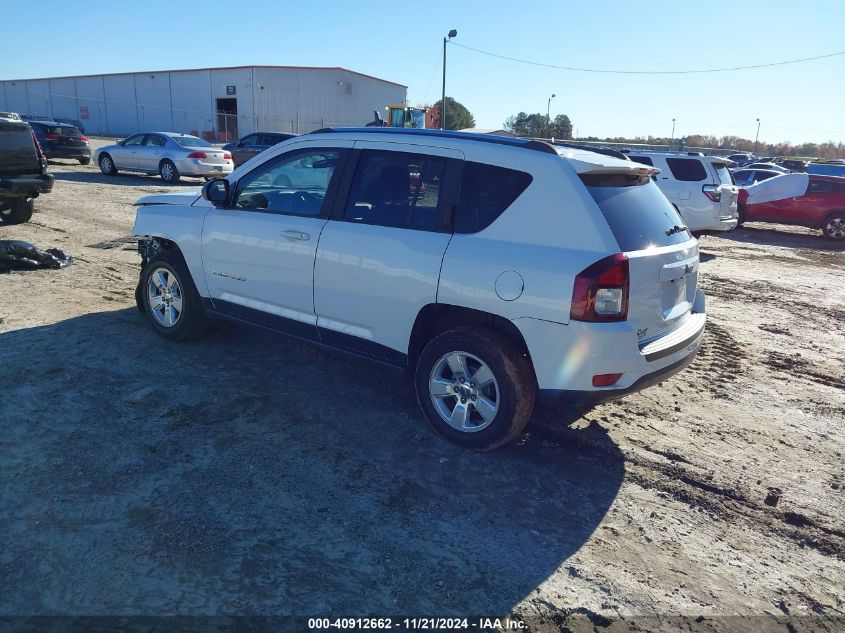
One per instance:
(125, 156)
(378, 262)
(258, 255)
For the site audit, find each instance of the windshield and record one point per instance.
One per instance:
(639, 215)
(187, 140)
(723, 173)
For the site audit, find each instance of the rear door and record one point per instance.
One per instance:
(662, 256)
(726, 187)
(378, 262)
(149, 154)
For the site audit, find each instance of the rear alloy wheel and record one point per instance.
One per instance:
(475, 387)
(168, 172)
(17, 211)
(107, 165)
(834, 227)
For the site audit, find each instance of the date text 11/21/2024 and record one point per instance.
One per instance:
(416, 624)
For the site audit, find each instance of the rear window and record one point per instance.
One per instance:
(191, 141)
(687, 169)
(59, 130)
(723, 173)
(645, 160)
(16, 138)
(486, 191)
(637, 212)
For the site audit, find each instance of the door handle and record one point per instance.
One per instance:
(296, 235)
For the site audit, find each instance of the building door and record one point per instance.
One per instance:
(227, 119)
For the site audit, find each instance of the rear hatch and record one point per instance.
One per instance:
(662, 254)
(726, 188)
(64, 136)
(17, 149)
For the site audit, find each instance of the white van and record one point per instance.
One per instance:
(701, 187)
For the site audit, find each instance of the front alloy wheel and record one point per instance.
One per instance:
(464, 392)
(834, 228)
(164, 297)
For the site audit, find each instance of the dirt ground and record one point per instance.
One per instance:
(249, 474)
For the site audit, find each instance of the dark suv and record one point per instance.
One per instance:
(60, 140)
(23, 168)
(254, 144)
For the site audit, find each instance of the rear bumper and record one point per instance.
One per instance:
(27, 186)
(566, 357)
(68, 152)
(196, 167)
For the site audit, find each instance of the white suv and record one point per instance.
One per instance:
(701, 188)
(497, 270)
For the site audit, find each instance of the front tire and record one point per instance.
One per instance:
(17, 211)
(168, 172)
(107, 165)
(834, 226)
(475, 387)
(84, 161)
(170, 299)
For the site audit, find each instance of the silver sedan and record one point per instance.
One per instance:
(168, 154)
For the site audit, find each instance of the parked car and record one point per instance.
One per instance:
(526, 271)
(745, 177)
(804, 199)
(700, 187)
(253, 144)
(793, 164)
(23, 171)
(60, 140)
(741, 159)
(827, 169)
(74, 122)
(11, 116)
(769, 167)
(169, 154)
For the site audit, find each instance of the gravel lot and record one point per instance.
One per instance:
(249, 474)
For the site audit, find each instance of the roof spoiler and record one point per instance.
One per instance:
(598, 150)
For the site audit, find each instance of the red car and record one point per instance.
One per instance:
(808, 200)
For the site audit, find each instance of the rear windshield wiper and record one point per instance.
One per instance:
(675, 229)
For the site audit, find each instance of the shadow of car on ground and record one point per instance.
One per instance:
(132, 180)
(250, 474)
(783, 235)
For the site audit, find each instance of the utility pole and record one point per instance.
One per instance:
(672, 140)
(452, 33)
(757, 137)
(549, 107)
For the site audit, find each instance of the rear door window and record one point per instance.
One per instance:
(486, 191)
(723, 173)
(637, 212)
(687, 169)
(397, 189)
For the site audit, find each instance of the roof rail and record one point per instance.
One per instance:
(526, 143)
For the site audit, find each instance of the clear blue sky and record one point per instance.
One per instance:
(401, 41)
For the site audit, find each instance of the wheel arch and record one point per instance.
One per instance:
(435, 318)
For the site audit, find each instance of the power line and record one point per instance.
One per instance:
(647, 72)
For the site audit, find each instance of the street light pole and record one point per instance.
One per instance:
(672, 140)
(757, 137)
(452, 33)
(549, 107)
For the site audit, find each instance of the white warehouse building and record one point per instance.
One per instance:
(216, 103)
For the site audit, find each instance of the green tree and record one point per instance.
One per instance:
(457, 115)
(538, 126)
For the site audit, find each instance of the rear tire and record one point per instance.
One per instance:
(475, 387)
(84, 161)
(740, 214)
(170, 298)
(834, 226)
(107, 165)
(17, 211)
(168, 172)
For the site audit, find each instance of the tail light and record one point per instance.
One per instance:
(605, 380)
(51, 137)
(84, 139)
(712, 192)
(600, 292)
(38, 147)
(227, 156)
(197, 155)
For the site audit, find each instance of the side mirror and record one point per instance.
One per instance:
(216, 192)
